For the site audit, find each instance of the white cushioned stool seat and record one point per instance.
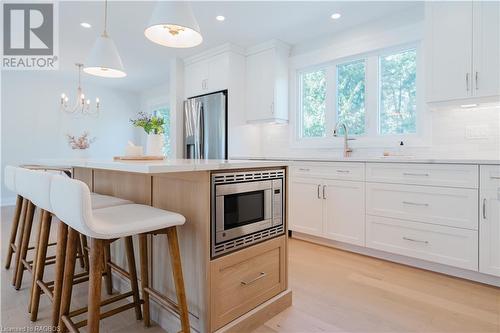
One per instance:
(127, 220)
(71, 202)
(103, 201)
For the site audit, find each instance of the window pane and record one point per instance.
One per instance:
(351, 96)
(398, 92)
(165, 113)
(313, 97)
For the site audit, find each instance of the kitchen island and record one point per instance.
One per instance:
(237, 290)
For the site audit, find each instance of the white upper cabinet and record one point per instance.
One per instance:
(210, 71)
(486, 49)
(462, 50)
(267, 82)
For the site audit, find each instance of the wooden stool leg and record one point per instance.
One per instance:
(34, 264)
(79, 253)
(143, 254)
(25, 243)
(129, 248)
(41, 254)
(83, 241)
(175, 258)
(19, 240)
(95, 280)
(62, 237)
(69, 272)
(13, 230)
(107, 259)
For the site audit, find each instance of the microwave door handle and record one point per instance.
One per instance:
(268, 204)
(219, 213)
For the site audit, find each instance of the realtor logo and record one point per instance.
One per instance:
(29, 36)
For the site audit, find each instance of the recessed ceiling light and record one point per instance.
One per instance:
(220, 18)
(336, 16)
(86, 25)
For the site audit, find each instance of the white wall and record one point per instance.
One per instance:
(33, 126)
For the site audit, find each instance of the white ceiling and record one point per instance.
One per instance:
(247, 23)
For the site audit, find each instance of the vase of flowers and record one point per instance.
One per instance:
(153, 126)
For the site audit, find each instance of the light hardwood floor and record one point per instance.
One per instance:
(333, 291)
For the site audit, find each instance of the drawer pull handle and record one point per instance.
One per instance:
(324, 191)
(415, 174)
(319, 196)
(343, 171)
(246, 283)
(416, 204)
(494, 177)
(304, 169)
(484, 209)
(416, 240)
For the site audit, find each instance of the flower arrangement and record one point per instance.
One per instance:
(150, 123)
(81, 142)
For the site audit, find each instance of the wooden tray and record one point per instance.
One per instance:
(139, 158)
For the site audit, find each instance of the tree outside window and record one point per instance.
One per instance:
(164, 111)
(313, 103)
(351, 96)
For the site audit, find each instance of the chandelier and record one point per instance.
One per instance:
(81, 105)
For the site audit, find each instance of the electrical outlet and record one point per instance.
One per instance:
(477, 132)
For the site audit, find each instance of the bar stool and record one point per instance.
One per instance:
(21, 264)
(19, 212)
(70, 200)
(37, 184)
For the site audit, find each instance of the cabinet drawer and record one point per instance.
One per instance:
(455, 207)
(452, 175)
(490, 177)
(327, 170)
(245, 279)
(445, 245)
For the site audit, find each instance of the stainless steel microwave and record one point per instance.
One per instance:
(247, 207)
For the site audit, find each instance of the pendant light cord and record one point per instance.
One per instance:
(105, 33)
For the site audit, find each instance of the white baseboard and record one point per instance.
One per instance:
(427, 265)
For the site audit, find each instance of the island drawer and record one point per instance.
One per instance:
(445, 245)
(454, 207)
(242, 280)
(330, 170)
(449, 175)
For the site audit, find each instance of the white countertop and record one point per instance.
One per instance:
(165, 166)
(389, 159)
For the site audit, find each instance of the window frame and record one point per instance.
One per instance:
(372, 136)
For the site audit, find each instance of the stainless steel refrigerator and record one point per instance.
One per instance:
(205, 126)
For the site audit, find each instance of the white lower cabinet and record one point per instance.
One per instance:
(344, 211)
(489, 225)
(326, 207)
(450, 246)
(306, 206)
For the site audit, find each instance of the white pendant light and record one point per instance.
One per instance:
(104, 59)
(173, 24)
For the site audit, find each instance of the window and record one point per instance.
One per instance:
(374, 95)
(398, 102)
(351, 96)
(164, 111)
(313, 103)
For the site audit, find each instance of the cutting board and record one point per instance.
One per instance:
(139, 158)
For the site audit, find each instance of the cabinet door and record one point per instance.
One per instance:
(260, 86)
(489, 232)
(449, 50)
(486, 58)
(306, 206)
(344, 211)
(196, 76)
(218, 68)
